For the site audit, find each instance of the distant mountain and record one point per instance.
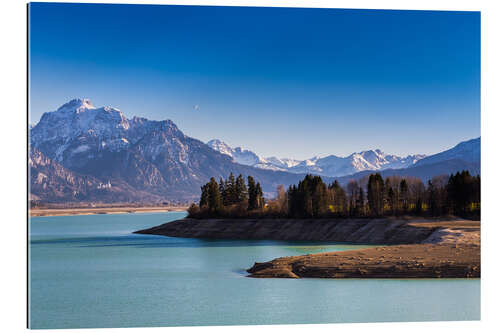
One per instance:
(247, 157)
(81, 153)
(366, 160)
(331, 166)
(425, 172)
(464, 156)
(284, 163)
(238, 155)
(142, 160)
(468, 151)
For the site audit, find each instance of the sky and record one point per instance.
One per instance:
(286, 82)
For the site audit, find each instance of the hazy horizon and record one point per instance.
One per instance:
(300, 83)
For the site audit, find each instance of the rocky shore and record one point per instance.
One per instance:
(418, 248)
(354, 231)
(451, 251)
(400, 261)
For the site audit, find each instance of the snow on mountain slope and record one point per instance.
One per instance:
(144, 160)
(282, 162)
(78, 128)
(221, 147)
(331, 165)
(241, 156)
(79, 146)
(468, 151)
(78, 132)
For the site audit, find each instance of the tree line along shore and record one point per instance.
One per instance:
(419, 247)
(456, 194)
(373, 211)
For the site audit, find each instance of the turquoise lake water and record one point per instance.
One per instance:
(91, 271)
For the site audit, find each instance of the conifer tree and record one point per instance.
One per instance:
(319, 197)
(417, 189)
(458, 194)
(387, 186)
(259, 196)
(252, 194)
(352, 192)
(232, 194)
(404, 195)
(222, 190)
(463, 190)
(241, 189)
(390, 199)
(376, 194)
(204, 196)
(292, 200)
(432, 198)
(361, 201)
(214, 197)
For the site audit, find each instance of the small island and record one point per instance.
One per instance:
(424, 231)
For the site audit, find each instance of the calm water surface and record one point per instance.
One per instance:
(91, 271)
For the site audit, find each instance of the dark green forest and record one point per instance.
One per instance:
(456, 194)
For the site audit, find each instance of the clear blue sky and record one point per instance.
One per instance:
(279, 81)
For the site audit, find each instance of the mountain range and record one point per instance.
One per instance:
(81, 153)
(332, 166)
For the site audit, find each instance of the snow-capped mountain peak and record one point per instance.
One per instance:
(328, 166)
(239, 155)
(79, 147)
(77, 105)
(282, 162)
(221, 147)
(79, 131)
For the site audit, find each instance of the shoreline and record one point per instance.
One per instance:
(102, 210)
(410, 248)
(376, 231)
(453, 250)
(396, 262)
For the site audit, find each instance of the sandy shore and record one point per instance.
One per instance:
(102, 210)
(451, 251)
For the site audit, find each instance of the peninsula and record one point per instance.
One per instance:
(420, 248)
(451, 251)
(418, 237)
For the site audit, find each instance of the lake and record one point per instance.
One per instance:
(90, 271)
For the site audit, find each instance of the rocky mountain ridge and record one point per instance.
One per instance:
(148, 159)
(332, 165)
(83, 153)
